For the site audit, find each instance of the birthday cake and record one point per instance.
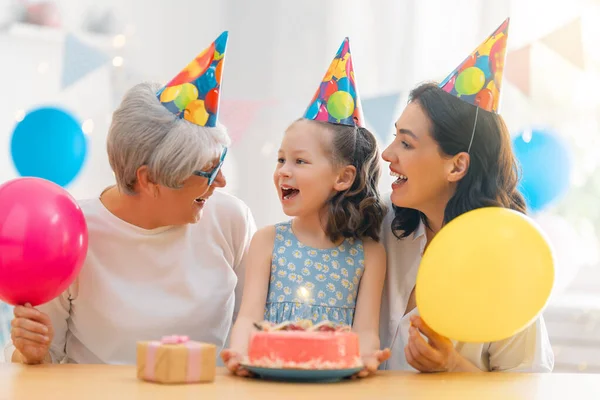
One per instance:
(176, 359)
(302, 345)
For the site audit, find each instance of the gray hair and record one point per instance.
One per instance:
(144, 132)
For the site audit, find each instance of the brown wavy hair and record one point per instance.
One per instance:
(358, 211)
(493, 174)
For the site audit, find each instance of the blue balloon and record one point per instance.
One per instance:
(221, 42)
(206, 82)
(546, 165)
(172, 107)
(344, 84)
(49, 143)
(212, 120)
(483, 64)
(345, 121)
(313, 109)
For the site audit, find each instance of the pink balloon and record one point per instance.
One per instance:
(43, 241)
(450, 84)
(323, 114)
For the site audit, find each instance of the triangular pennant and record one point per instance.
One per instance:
(238, 116)
(379, 113)
(79, 59)
(518, 69)
(567, 41)
(122, 79)
(337, 99)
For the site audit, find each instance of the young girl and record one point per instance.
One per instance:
(325, 263)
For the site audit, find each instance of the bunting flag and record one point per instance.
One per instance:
(518, 69)
(380, 113)
(567, 41)
(238, 115)
(79, 59)
(122, 79)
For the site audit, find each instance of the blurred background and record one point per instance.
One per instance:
(77, 58)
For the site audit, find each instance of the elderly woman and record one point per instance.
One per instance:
(166, 250)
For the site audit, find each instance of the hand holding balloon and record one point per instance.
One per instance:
(31, 334)
(436, 355)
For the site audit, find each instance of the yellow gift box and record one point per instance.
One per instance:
(176, 359)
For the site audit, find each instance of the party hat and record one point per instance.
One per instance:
(194, 93)
(478, 79)
(336, 100)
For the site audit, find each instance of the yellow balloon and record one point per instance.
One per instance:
(170, 93)
(330, 71)
(340, 71)
(194, 68)
(337, 68)
(196, 112)
(187, 94)
(485, 48)
(485, 276)
(495, 94)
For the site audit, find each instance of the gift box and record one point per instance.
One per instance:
(176, 359)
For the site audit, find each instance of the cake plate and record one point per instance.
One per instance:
(302, 375)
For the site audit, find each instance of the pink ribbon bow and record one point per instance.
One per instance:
(174, 339)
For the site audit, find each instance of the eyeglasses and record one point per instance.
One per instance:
(212, 175)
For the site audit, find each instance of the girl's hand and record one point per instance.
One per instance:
(371, 362)
(232, 360)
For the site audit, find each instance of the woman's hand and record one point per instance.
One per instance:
(232, 360)
(31, 334)
(372, 361)
(439, 355)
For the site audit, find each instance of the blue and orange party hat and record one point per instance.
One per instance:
(336, 100)
(195, 92)
(478, 79)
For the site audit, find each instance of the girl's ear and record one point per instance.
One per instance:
(345, 178)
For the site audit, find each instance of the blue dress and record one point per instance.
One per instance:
(310, 283)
